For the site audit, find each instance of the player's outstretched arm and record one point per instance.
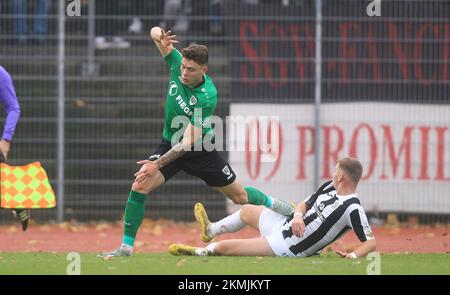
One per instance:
(363, 249)
(163, 40)
(298, 225)
(149, 168)
(190, 136)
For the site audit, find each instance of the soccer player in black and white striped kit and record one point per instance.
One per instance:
(318, 221)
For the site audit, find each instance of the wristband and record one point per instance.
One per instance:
(298, 214)
(352, 255)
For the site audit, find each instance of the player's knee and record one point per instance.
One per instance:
(246, 212)
(140, 187)
(221, 249)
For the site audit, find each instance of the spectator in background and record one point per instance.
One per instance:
(206, 16)
(9, 102)
(144, 15)
(20, 22)
(175, 15)
(117, 19)
(215, 27)
(107, 28)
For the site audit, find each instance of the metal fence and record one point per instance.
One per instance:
(91, 113)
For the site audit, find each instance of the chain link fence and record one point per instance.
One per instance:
(262, 53)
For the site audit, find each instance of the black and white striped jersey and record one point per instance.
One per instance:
(328, 216)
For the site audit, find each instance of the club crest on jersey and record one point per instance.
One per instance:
(173, 88)
(226, 170)
(193, 100)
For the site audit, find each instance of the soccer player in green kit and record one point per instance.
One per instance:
(190, 94)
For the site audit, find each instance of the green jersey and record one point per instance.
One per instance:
(181, 100)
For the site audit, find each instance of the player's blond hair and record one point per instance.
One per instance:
(352, 168)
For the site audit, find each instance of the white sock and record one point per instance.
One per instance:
(229, 224)
(127, 248)
(208, 250)
(201, 252)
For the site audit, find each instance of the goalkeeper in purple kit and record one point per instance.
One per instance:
(10, 104)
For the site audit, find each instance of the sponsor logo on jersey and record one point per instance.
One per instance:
(368, 231)
(321, 206)
(173, 88)
(183, 106)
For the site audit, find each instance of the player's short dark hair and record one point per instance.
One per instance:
(197, 53)
(352, 168)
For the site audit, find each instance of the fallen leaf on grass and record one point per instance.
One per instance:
(69, 227)
(102, 226)
(350, 248)
(139, 244)
(45, 228)
(394, 231)
(157, 230)
(12, 229)
(180, 262)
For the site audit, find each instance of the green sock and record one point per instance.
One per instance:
(134, 213)
(256, 197)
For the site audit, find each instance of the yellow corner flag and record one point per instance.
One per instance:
(25, 187)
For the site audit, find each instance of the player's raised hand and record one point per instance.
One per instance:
(147, 170)
(166, 38)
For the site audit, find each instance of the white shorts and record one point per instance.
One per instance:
(270, 224)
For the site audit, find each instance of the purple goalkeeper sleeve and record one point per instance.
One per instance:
(8, 100)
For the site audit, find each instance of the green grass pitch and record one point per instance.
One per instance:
(159, 263)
